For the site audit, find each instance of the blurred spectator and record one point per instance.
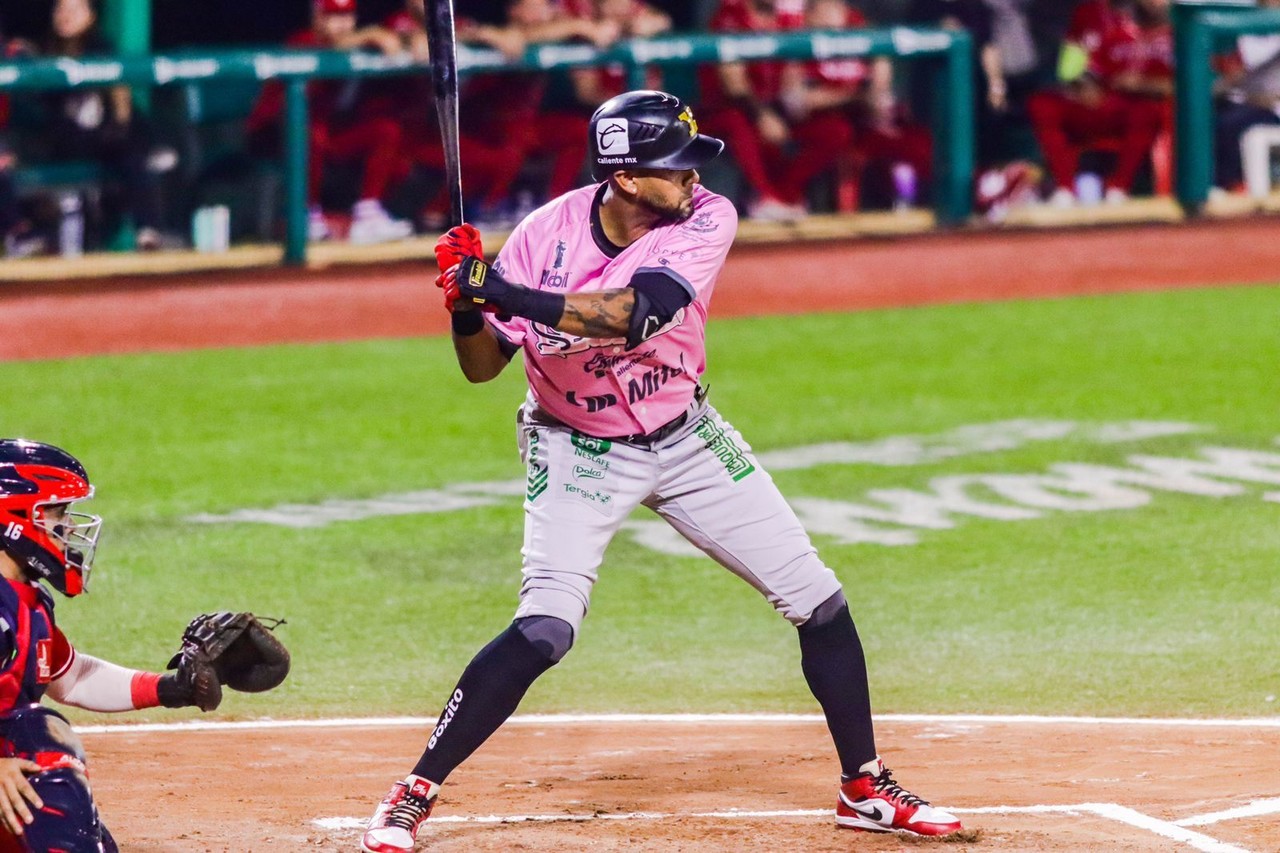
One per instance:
(991, 87)
(20, 238)
(854, 99)
(1251, 87)
(1015, 45)
(632, 19)
(102, 125)
(1121, 102)
(1092, 21)
(777, 157)
(573, 96)
(339, 132)
(1005, 126)
(503, 108)
(410, 102)
(16, 232)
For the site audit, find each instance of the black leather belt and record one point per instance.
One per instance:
(651, 438)
(670, 427)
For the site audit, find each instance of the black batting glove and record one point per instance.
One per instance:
(489, 291)
(479, 284)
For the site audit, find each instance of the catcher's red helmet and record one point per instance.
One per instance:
(38, 485)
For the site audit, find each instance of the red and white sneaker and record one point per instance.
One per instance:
(394, 826)
(873, 802)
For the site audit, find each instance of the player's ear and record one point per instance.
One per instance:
(624, 182)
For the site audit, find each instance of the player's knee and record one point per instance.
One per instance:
(69, 819)
(827, 613)
(35, 730)
(552, 637)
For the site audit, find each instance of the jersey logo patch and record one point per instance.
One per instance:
(44, 660)
(536, 483)
(593, 403)
(591, 444)
(736, 461)
(703, 223)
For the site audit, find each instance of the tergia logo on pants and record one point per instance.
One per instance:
(446, 718)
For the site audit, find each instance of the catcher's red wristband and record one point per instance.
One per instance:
(143, 690)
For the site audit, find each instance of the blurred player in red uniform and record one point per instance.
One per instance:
(46, 803)
(1091, 22)
(783, 122)
(559, 124)
(1122, 100)
(339, 131)
(488, 167)
(840, 99)
(503, 107)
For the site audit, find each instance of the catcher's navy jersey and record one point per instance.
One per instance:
(33, 651)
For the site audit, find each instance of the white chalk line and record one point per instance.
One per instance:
(1175, 830)
(1257, 808)
(1110, 811)
(676, 719)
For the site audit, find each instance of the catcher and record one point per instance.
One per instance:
(46, 802)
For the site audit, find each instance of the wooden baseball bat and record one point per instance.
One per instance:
(443, 45)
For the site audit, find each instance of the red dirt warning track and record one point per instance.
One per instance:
(354, 303)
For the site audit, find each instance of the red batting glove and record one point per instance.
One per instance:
(455, 244)
(448, 282)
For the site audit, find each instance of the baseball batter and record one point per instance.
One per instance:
(606, 291)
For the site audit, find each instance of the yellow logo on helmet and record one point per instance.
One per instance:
(686, 116)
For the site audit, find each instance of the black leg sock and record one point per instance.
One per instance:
(490, 689)
(833, 663)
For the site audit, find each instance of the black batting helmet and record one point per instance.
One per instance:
(647, 129)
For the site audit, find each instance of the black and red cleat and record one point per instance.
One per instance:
(873, 802)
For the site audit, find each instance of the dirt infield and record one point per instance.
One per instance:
(670, 786)
(245, 308)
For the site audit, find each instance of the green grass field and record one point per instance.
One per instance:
(1168, 608)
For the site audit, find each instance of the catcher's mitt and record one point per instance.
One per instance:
(235, 649)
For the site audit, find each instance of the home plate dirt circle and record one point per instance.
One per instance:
(706, 783)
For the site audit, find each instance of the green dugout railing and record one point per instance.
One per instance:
(1203, 30)
(946, 56)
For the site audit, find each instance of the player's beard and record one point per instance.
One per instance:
(678, 212)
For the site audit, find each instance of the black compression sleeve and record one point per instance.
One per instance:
(537, 305)
(466, 323)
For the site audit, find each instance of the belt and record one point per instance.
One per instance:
(668, 429)
(649, 439)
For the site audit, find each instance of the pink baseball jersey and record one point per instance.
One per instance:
(597, 385)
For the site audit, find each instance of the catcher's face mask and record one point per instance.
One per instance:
(75, 536)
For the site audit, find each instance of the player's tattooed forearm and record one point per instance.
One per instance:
(599, 315)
